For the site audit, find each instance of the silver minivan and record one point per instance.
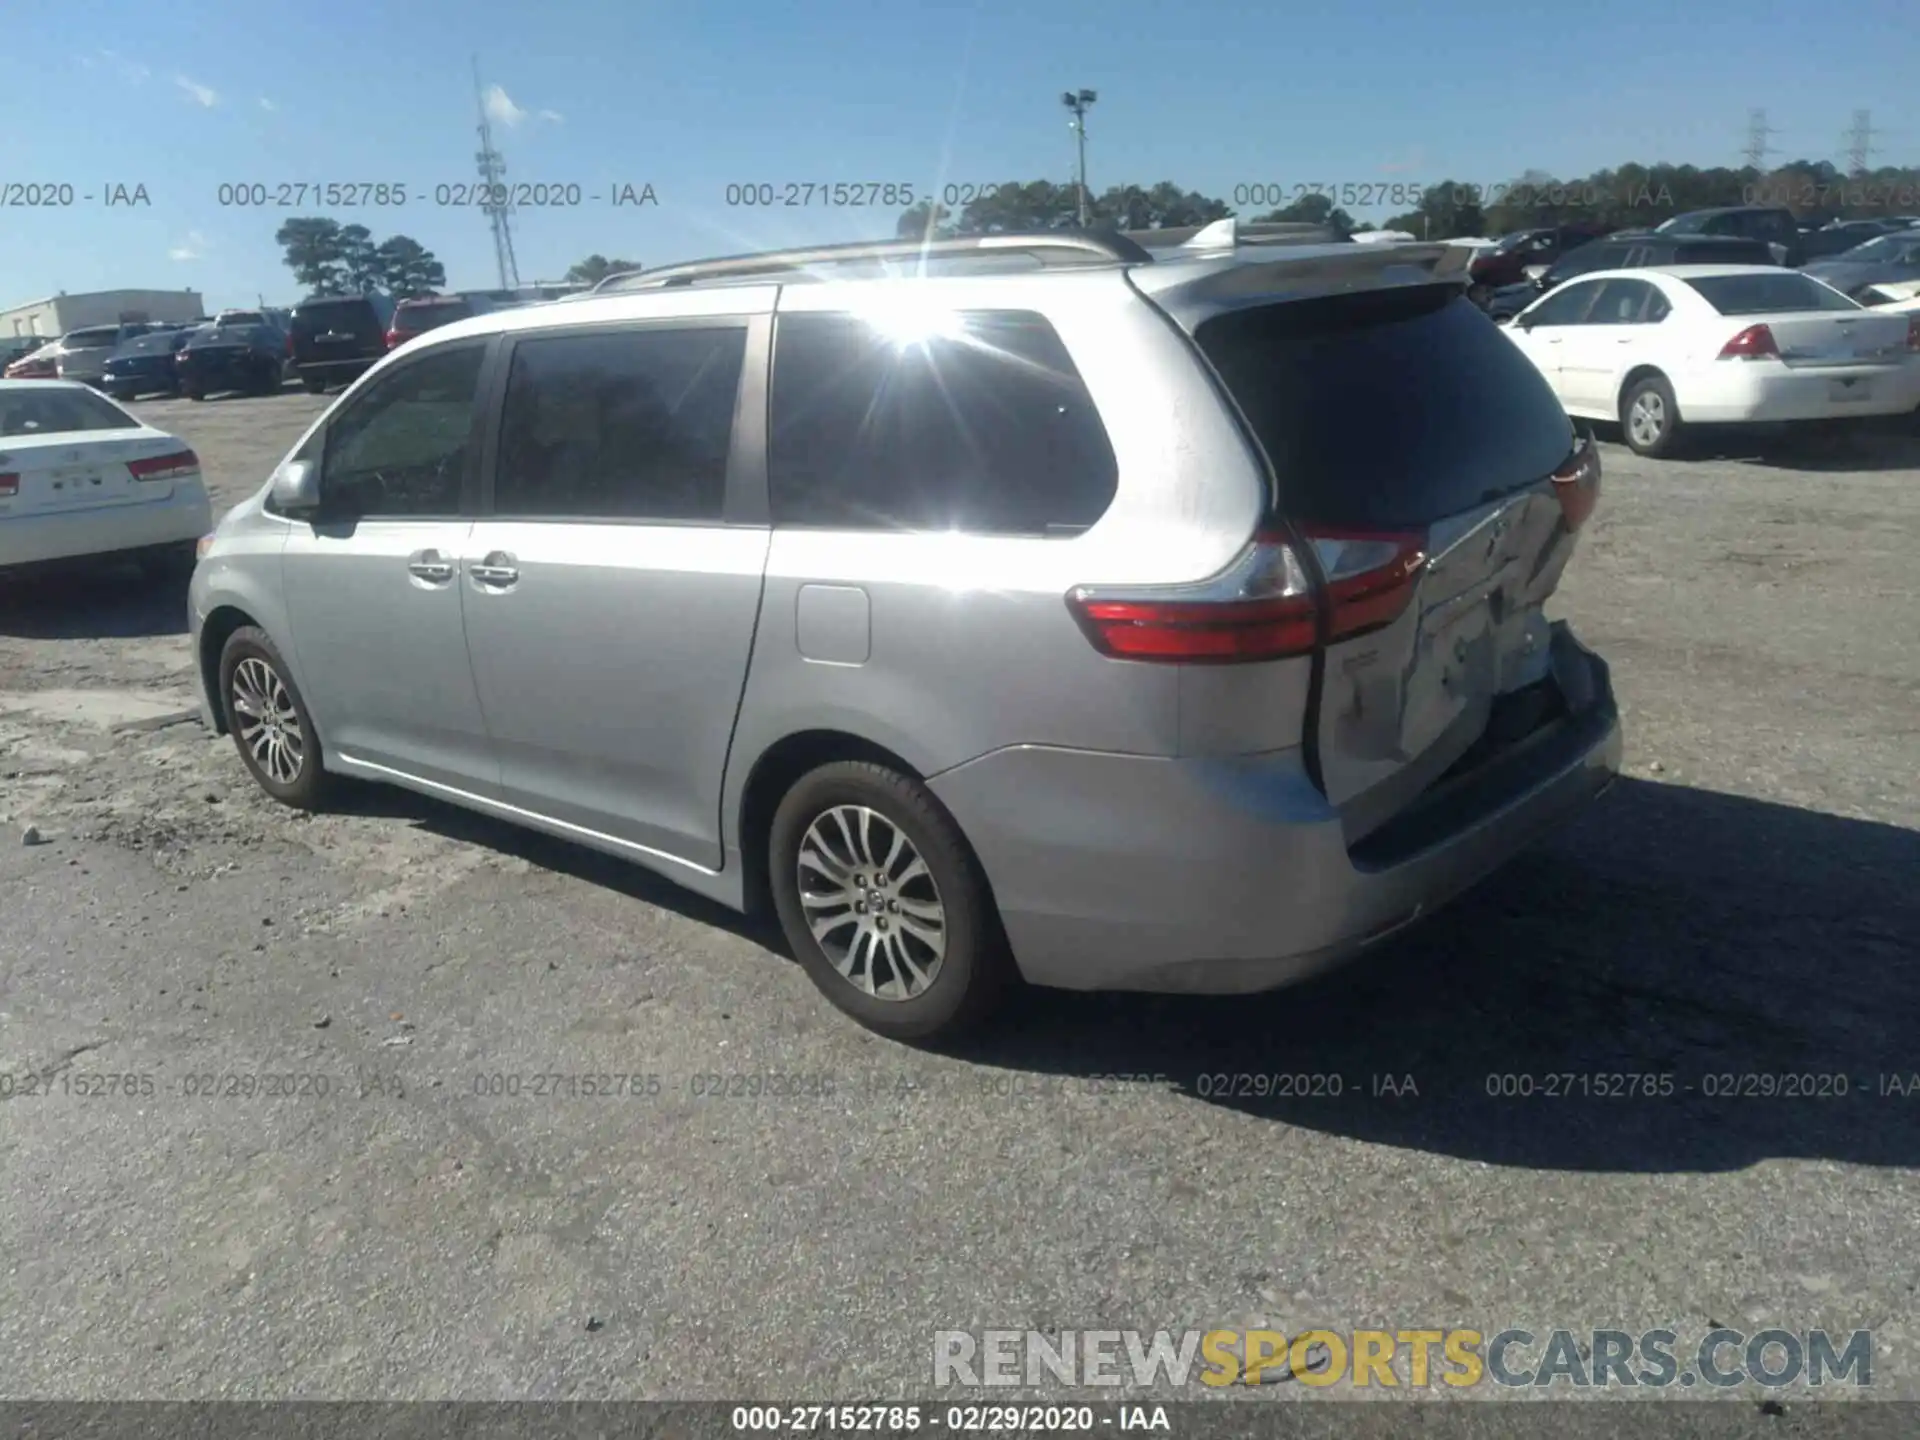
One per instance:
(1054, 608)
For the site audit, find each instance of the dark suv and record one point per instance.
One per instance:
(336, 338)
(1630, 252)
(1773, 224)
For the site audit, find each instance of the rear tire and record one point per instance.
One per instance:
(195, 394)
(314, 387)
(909, 941)
(268, 721)
(1649, 418)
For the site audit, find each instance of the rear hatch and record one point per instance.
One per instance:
(1427, 473)
(64, 450)
(346, 329)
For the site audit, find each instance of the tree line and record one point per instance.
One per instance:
(329, 258)
(1629, 196)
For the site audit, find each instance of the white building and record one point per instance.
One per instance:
(57, 315)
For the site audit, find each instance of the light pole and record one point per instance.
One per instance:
(1077, 101)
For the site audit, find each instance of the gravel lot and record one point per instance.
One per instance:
(1744, 903)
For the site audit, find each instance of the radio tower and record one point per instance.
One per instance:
(1860, 142)
(1757, 148)
(493, 172)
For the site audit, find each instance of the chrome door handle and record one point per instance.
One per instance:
(499, 568)
(430, 565)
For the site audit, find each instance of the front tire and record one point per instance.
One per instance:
(1649, 417)
(884, 903)
(268, 721)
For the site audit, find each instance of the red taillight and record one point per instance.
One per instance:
(1263, 608)
(9, 486)
(165, 467)
(1756, 342)
(289, 347)
(394, 337)
(1577, 485)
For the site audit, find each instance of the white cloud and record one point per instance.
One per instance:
(201, 94)
(194, 247)
(129, 70)
(501, 109)
(554, 115)
(266, 104)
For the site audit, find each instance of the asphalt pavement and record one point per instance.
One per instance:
(278, 1128)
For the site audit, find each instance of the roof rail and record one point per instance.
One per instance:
(1049, 247)
(1232, 232)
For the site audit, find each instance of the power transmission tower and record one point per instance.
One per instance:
(1860, 142)
(493, 172)
(1757, 148)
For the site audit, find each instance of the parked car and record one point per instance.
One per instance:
(954, 618)
(335, 339)
(83, 353)
(80, 476)
(40, 364)
(1841, 236)
(241, 317)
(248, 358)
(1629, 251)
(1508, 262)
(146, 365)
(413, 318)
(1892, 294)
(18, 347)
(1890, 257)
(1772, 223)
(1717, 344)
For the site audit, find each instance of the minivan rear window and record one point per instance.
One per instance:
(1390, 408)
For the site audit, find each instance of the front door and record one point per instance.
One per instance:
(373, 585)
(615, 575)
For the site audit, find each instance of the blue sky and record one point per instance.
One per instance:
(182, 97)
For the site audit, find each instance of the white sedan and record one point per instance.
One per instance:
(80, 476)
(1717, 344)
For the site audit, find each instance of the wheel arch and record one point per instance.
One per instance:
(215, 631)
(1633, 377)
(772, 774)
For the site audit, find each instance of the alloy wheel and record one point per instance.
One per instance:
(269, 725)
(871, 903)
(1647, 418)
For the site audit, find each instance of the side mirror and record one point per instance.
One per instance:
(296, 488)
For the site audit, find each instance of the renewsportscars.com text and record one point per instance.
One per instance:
(1411, 1358)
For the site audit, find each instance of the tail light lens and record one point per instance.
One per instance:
(1263, 607)
(175, 466)
(9, 486)
(394, 337)
(1756, 342)
(289, 347)
(1577, 484)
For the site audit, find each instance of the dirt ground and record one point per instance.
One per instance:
(1744, 903)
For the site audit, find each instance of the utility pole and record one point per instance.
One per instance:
(493, 172)
(1077, 101)
(1860, 143)
(1757, 148)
